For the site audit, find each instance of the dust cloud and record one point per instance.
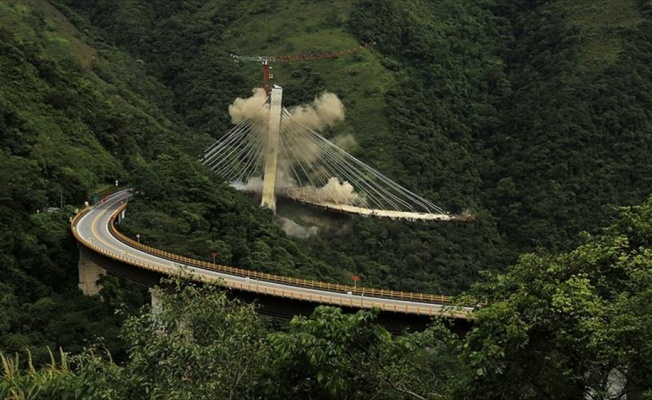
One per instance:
(293, 229)
(332, 192)
(345, 142)
(324, 112)
(251, 107)
(253, 184)
(339, 192)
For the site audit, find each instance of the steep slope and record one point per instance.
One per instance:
(575, 132)
(601, 29)
(531, 114)
(387, 98)
(73, 119)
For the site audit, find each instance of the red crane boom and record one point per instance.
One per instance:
(265, 60)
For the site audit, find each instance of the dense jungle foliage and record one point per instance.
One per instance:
(571, 326)
(532, 115)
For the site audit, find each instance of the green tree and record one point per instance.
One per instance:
(338, 355)
(195, 343)
(574, 325)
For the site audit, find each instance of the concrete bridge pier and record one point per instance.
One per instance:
(89, 273)
(121, 216)
(155, 301)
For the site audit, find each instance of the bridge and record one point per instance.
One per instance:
(274, 151)
(104, 249)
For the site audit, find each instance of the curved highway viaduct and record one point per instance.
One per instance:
(104, 249)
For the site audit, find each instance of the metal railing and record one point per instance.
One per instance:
(429, 300)
(334, 287)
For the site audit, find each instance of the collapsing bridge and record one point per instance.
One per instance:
(274, 153)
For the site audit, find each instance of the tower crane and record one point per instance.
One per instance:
(266, 60)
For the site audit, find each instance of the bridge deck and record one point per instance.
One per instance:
(94, 229)
(371, 212)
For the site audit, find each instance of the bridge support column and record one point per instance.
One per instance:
(154, 302)
(121, 216)
(89, 273)
(272, 149)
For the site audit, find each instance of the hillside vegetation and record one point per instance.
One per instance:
(74, 118)
(571, 326)
(534, 116)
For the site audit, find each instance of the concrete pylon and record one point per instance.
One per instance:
(89, 273)
(272, 149)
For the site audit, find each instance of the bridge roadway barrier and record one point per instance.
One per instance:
(334, 287)
(355, 300)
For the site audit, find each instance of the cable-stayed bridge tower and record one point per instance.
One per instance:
(272, 153)
(271, 149)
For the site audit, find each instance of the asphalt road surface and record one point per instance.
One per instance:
(93, 231)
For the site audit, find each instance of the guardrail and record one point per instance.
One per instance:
(253, 286)
(333, 287)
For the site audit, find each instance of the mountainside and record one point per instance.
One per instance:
(534, 116)
(573, 138)
(75, 117)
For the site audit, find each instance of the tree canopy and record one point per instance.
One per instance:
(534, 116)
(565, 326)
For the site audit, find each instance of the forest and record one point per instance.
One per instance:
(534, 116)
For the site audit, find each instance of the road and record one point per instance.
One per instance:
(92, 230)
